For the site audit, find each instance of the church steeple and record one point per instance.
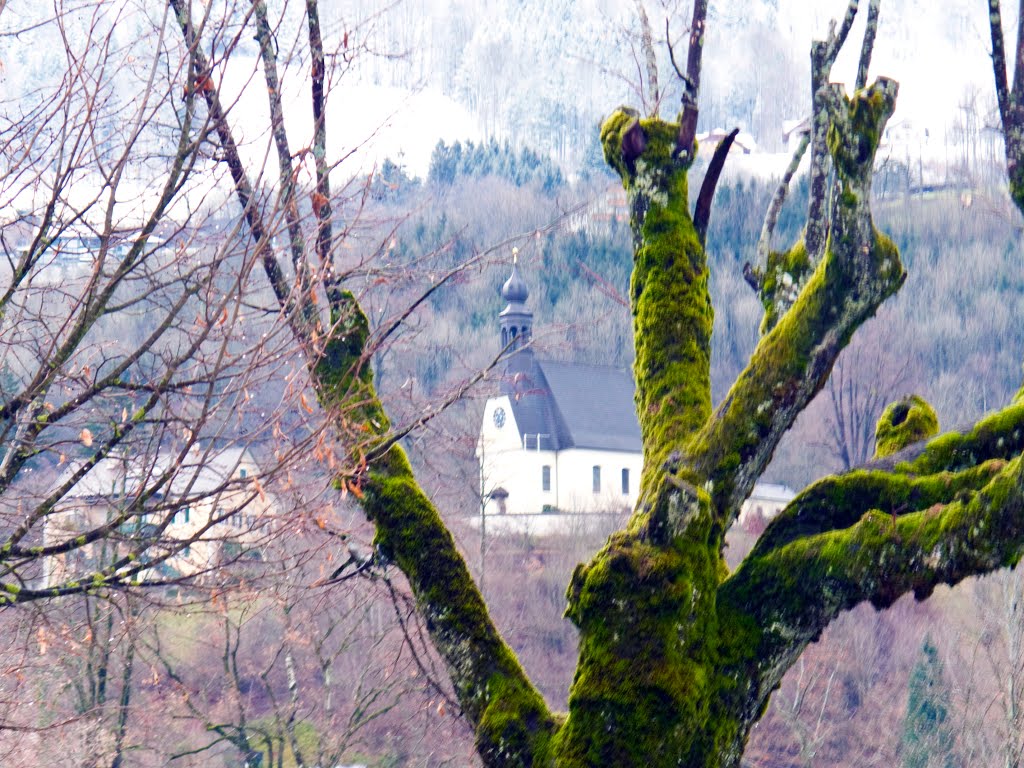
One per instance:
(516, 319)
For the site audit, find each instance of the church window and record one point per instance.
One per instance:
(597, 479)
(545, 478)
(625, 482)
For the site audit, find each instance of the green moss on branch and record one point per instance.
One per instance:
(795, 591)
(997, 436)
(902, 423)
(790, 365)
(839, 501)
(648, 647)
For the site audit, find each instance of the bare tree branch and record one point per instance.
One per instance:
(999, 58)
(771, 217)
(869, 44)
(410, 530)
(647, 44)
(688, 114)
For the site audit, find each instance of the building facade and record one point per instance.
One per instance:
(198, 511)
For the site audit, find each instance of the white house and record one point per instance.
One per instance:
(198, 511)
(563, 438)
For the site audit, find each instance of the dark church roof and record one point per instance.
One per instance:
(570, 405)
(596, 405)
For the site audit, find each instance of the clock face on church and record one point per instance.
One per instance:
(499, 417)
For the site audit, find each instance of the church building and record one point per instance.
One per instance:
(561, 437)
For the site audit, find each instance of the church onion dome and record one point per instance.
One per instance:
(514, 291)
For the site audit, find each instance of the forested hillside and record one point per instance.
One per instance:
(175, 294)
(962, 304)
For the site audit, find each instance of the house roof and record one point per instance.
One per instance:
(199, 473)
(569, 405)
(772, 492)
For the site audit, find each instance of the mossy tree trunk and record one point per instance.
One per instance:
(671, 670)
(677, 657)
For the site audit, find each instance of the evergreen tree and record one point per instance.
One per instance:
(928, 739)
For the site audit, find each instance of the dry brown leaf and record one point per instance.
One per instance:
(86, 437)
(259, 489)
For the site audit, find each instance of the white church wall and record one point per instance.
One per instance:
(576, 485)
(569, 474)
(505, 464)
(570, 487)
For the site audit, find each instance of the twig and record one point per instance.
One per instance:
(688, 115)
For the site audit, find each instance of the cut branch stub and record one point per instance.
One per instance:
(856, 127)
(633, 142)
(902, 423)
